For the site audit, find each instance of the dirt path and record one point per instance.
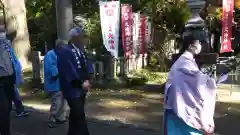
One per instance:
(143, 110)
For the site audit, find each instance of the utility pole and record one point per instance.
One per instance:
(64, 17)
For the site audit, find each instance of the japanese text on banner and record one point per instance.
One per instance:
(227, 17)
(127, 30)
(109, 16)
(142, 35)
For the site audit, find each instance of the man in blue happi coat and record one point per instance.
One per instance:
(74, 70)
(52, 87)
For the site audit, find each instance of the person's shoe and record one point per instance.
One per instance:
(51, 124)
(60, 121)
(23, 114)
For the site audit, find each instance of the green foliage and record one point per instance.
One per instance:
(143, 76)
(41, 16)
(93, 30)
(136, 81)
(176, 15)
(150, 76)
(170, 15)
(87, 8)
(167, 16)
(41, 22)
(168, 20)
(153, 60)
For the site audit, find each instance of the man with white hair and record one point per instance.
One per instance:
(74, 69)
(58, 107)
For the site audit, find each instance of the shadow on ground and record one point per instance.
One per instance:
(131, 107)
(227, 118)
(135, 106)
(123, 107)
(144, 110)
(36, 124)
(109, 120)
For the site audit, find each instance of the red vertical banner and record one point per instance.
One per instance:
(142, 31)
(127, 29)
(227, 18)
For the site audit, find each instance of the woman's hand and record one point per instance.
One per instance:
(222, 78)
(209, 131)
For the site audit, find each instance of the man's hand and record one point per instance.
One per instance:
(54, 78)
(86, 85)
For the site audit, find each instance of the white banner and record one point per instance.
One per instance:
(110, 21)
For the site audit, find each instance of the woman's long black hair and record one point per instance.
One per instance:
(185, 43)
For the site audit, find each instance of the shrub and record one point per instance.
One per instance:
(144, 75)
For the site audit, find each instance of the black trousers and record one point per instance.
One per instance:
(77, 120)
(6, 97)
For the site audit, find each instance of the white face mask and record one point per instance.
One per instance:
(197, 47)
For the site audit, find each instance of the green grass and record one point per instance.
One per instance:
(150, 76)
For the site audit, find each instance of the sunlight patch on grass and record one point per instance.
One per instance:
(153, 101)
(152, 96)
(121, 116)
(229, 99)
(116, 103)
(37, 106)
(158, 113)
(129, 91)
(130, 115)
(110, 118)
(23, 93)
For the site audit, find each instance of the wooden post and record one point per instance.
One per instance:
(36, 65)
(100, 72)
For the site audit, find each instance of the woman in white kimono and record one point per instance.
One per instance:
(189, 95)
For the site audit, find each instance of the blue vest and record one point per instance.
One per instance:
(16, 64)
(50, 71)
(72, 66)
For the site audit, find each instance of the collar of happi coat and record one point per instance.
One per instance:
(78, 55)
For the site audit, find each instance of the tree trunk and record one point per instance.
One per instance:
(15, 16)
